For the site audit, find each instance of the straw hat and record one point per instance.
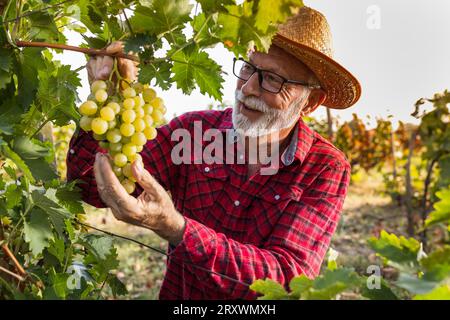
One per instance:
(307, 36)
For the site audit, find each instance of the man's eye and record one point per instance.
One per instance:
(271, 78)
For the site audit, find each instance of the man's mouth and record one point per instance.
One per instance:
(248, 109)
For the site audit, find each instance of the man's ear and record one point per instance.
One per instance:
(315, 99)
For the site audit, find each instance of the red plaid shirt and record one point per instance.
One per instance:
(271, 226)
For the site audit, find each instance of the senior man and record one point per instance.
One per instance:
(227, 224)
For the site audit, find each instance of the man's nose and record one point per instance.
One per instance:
(252, 87)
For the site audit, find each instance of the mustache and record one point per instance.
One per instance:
(252, 102)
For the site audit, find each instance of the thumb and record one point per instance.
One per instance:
(146, 180)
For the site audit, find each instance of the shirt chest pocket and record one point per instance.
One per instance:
(267, 207)
(204, 184)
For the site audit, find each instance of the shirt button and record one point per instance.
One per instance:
(72, 151)
(237, 203)
(206, 169)
(277, 197)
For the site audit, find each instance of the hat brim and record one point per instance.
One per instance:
(342, 88)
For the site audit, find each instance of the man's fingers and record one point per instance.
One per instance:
(114, 190)
(115, 47)
(147, 181)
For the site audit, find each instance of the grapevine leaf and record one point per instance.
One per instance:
(161, 17)
(396, 249)
(27, 149)
(138, 41)
(41, 169)
(8, 115)
(160, 71)
(270, 12)
(238, 30)
(43, 27)
(205, 30)
(5, 65)
(198, 67)
(6, 150)
(441, 211)
(299, 285)
(57, 249)
(117, 286)
(30, 63)
(13, 196)
(38, 231)
(69, 196)
(99, 246)
(332, 282)
(269, 289)
(383, 293)
(437, 264)
(209, 6)
(414, 284)
(438, 293)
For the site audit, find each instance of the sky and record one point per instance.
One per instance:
(398, 49)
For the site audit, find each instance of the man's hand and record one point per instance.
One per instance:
(153, 209)
(100, 67)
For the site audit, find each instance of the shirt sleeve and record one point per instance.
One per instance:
(156, 156)
(296, 246)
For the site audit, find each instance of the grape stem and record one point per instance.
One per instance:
(89, 51)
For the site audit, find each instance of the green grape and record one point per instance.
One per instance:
(97, 85)
(101, 95)
(128, 116)
(150, 133)
(127, 129)
(129, 149)
(112, 124)
(139, 125)
(85, 123)
(120, 159)
(148, 120)
(115, 106)
(99, 126)
(126, 170)
(157, 103)
(139, 112)
(138, 139)
(148, 94)
(114, 135)
(103, 144)
(129, 185)
(107, 114)
(115, 147)
(157, 116)
(88, 108)
(129, 103)
(138, 87)
(148, 109)
(117, 171)
(129, 93)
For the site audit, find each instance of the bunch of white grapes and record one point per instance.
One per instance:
(123, 123)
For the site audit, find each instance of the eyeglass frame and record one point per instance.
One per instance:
(260, 77)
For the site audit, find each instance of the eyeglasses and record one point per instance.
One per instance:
(268, 80)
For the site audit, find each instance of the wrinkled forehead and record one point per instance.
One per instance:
(278, 59)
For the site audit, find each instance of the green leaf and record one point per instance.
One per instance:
(43, 27)
(383, 293)
(270, 12)
(117, 286)
(299, 285)
(6, 150)
(138, 41)
(200, 68)
(9, 114)
(414, 284)
(5, 67)
(332, 282)
(163, 16)
(13, 196)
(438, 293)
(209, 6)
(28, 149)
(41, 169)
(57, 249)
(38, 231)
(269, 289)
(393, 248)
(30, 62)
(441, 211)
(437, 264)
(160, 71)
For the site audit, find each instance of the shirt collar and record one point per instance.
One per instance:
(298, 148)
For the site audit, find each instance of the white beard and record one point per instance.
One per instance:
(272, 120)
